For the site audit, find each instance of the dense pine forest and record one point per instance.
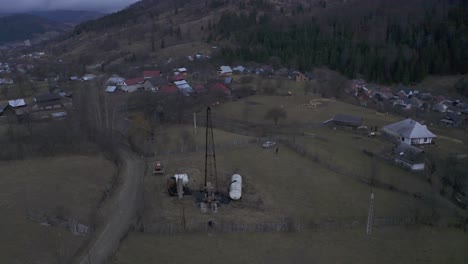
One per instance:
(403, 51)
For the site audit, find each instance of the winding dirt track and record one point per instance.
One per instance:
(124, 208)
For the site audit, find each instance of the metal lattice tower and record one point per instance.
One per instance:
(211, 174)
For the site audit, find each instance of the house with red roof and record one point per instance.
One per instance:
(220, 87)
(199, 89)
(169, 89)
(131, 85)
(151, 74)
(176, 78)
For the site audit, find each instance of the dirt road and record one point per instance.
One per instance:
(123, 210)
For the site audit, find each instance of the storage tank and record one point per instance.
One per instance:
(235, 190)
(183, 177)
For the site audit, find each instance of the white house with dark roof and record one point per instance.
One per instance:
(410, 132)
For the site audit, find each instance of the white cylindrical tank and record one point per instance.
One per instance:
(235, 190)
(183, 177)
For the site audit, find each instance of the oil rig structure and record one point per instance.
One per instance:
(211, 194)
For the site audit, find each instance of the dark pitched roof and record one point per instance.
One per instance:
(157, 81)
(47, 97)
(309, 75)
(348, 119)
(409, 153)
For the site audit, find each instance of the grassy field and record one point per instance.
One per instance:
(254, 108)
(72, 185)
(386, 245)
(289, 186)
(172, 137)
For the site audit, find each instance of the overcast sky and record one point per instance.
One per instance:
(9, 6)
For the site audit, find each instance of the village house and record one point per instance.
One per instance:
(440, 107)
(182, 71)
(405, 92)
(151, 74)
(111, 89)
(409, 156)
(239, 69)
(228, 80)
(88, 77)
(220, 88)
(3, 107)
(168, 89)
(283, 72)
(184, 87)
(115, 80)
(132, 85)
(48, 105)
(199, 89)
(452, 120)
(18, 106)
(345, 121)
(49, 101)
(6, 81)
(154, 83)
(224, 71)
(17, 103)
(409, 132)
(265, 70)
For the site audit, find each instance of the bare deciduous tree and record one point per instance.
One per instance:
(276, 113)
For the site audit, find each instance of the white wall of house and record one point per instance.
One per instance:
(413, 167)
(416, 141)
(131, 88)
(417, 167)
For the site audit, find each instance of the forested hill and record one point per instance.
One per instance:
(68, 17)
(375, 42)
(384, 41)
(23, 26)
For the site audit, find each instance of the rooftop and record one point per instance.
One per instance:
(410, 129)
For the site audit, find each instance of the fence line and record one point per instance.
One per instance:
(171, 229)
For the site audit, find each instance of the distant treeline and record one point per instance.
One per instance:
(406, 51)
(22, 26)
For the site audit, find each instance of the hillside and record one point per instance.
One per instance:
(69, 17)
(384, 41)
(23, 26)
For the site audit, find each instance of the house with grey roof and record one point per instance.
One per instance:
(224, 71)
(409, 156)
(155, 83)
(410, 132)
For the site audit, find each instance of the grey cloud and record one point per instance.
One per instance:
(8, 6)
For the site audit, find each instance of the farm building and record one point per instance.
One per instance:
(131, 85)
(111, 89)
(345, 120)
(409, 156)
(151, 74)
(48, 101)
(225, 71)
(154, 83)
(115, 80)
(410, 132)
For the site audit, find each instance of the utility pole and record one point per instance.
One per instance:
(370, 214)
(195, 122)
